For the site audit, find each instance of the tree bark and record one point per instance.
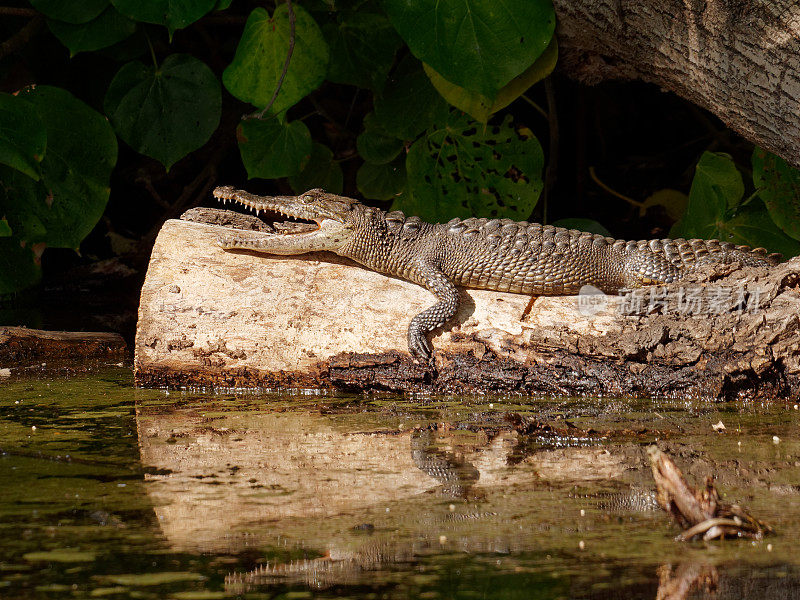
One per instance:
(211, 317)
(740, 59)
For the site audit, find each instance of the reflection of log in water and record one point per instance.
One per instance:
(215, 478)
(331, 498)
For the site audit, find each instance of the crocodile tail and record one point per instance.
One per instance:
(694, 253)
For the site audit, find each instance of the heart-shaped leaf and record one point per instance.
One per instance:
(70, 11)
(65, 205)
(22, 135)
(321, 171)
(376, 145)
(271, 149)
(382, 182)
(409, 103)
(106, 30)
(362, 45)
(256, 69)
(173, 14)
(717, 188)
(165, 113)
(779, 188)
(476, 44)
(481, 107)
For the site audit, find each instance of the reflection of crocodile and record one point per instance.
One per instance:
(635, 499)
(493, 254)
(456, 475)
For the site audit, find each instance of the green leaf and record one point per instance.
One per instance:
(716, 189)
(256, 69)
(173, 14)
(271, 149)
(475, 44)
(321, 171)
(715, 210)
(779, 188)
(363, 46)
(5, 229)
(462, 168)
(481, 107)
(589, 225)
(409, 103)
(105, 30)
(65, 205)
(70, 11)
(375, 145)
(165, 113)
(673, 202)
(381, 182)
(753, 227)
(19, 266)
(223, 4)
(23, 138)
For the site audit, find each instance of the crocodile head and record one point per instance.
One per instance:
(327, 220)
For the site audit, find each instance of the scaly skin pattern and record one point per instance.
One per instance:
(491, 254)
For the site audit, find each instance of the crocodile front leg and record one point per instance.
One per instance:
(437, 315)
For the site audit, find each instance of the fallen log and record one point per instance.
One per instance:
(21, 347)
(231, 319)
(738, 59)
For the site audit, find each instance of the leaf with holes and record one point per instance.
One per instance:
(70, 11)
(363, 45)
(481, 107)
(62, 208)
(165, 113)
(172, 14)
(779, 188)
(23, 138)
(105, 30)
(382, 182)
(271, 149)
(256, 69)
(321, 171)
(475, 44)
(462, 168)
(409, 103)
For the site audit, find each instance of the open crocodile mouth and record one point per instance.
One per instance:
(268, 217)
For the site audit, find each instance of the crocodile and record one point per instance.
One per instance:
(479, 253)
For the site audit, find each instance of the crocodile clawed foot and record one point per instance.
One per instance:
(422, 351)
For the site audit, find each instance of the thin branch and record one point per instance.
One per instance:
(538, 108)
(613, 192)
(22, 37)
(260, 114)
(13, 11)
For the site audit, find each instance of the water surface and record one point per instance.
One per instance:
(108, 491)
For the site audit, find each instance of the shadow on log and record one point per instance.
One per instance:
(213, 318)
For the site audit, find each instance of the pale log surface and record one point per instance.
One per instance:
(740, 59)
(211, 317)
